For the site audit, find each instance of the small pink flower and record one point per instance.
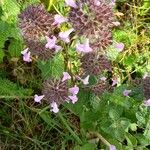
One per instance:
(114, 82)
(38, 98)
(112, 147)
(147, 102)
(66, 76)
(73, 98)
(59, 19)
(26, 55)
(85, 48)
(116, 23)
(74, 90)
(126, 93)
(119, 46)
(85, 80)
(51, 43)
(97, 2)
(113, 2)
(65, 35)
(103, 78)
(71, 3)
(54, 106)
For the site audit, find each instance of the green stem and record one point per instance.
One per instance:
(101, 138)
(50, 4)
(69, 129)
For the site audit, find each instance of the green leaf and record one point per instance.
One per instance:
(87, 146)
(82, 104)
(131, 140)
(113, 114)
(8, 31)
(57, 66)
(1, 55)
(10, 16)
(52, 68)
(8, 88)
(15, 48)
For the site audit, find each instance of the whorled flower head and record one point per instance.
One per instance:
(93, 19)
(36, 22)
(55, 91)
(95, 64)
(36, 26)
(59, 91)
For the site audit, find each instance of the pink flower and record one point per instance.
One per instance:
(114, 82)
(85, 48)
(126, 93)
(74, 90)
(38, 98)
(71, 3)
(85, 80)
(51, 43)
(116, 23)
(66, 76)
(59, 19)
(26, 55)
(54, 106)
(113, 2)
(103, 78)
(97, 2)
(147, 102)
(112, 147)
(73, 98)
(65, 35)
(119, 46)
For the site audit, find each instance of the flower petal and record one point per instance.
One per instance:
(66, 76)
(27, 57)
(71, 3)
(74, 90)
(38, 98)
(86, 80)
(59, 19)
(116, 23)
(112, 147)
(25, 51)
(103, 78)
(119, 46)
(51, 42)
(97, 2)
(65, 35)
(114, 82)
(147, 102)
(73, 98)
(85, 48)
(126, 92)
(54, 106)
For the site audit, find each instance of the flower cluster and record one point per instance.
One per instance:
(38, 30)
(56, 92)
(94, 20)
